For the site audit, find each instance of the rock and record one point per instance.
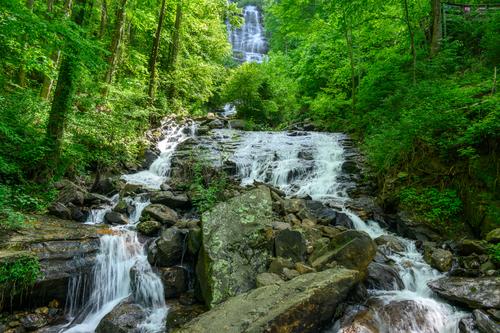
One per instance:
(175, 281)
(180, 314)
(149, 228)
(344, 220)
(170, 199)
(238, 124)
(235, 247)
(467, 325)
(149, 157)
(352, 249)
(438, 258)
(92, 199)
(266, 279)
(59, 210)
(303, 268)
(290, 244)
(467, 247)
(292, 206)
(292, 219)
(493, 236)
(383, 277)
(122, 207)
(130, 190)
(160, 213)
(115, 218)
(476, 293)
(170, 247)
(391, 242)
(484, 323)
(202, 130)
(350, 167)
(304, 304)
(279, 264)
(194, 240)
(77, 213)
(216, 123)
(290, 273)
(70, 193)
(411, 227)
(331, 232)
(33, 321)
(280, 226)
(494, 313)
(124, 318)
(317, 212)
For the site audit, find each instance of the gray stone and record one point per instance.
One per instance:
(484, 323)
(235, 246)
(438, 258)
(160, 213)
(115, 218)
(390, 242)
(383, 277)
(33, 321)
(304, 304)
(476, 293)
(124, 318)
(175, 281)
(149, 228)
(170, 199)
(266, 279)
(290, 244)
(238, 124)
(170, 247)
(58, 209)
(493, 236)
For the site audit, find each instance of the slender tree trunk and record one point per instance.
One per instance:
(115, 46)
(48, 82)
(63, 98)
(437, 31)
(494, 89)
(104, 18)
(154, 54)
(412, 41)
(174, 47)
(21, 75)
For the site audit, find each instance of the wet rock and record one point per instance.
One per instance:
(280, 226)
(304, 304)
(170, 247)
(411, 227)
(351, 249)
(115, 218)
(303, 268)
(484, 323)
(202, 130)
(194, 239)
(70, 193)
(266, 279)
(290, 244)
(476, 293)
(493, 236)
(60, 210)
(180, 314)
(130, 190)
(344, 220)
(160, 213)
(34, 321)
(317, 212)
(383, 277)
(91, 199)
(289, 274)
(391, 242)
(279, 264)
(216, 123)
(124, 318)
(467, 325)
(170, 199)
(122, 207)
(468, 247)
(238, 124)
(175, 281)
(149, 157)
(292, 219)
(292, 206)
(149, 228)
(438, 258)
(235, 247)
(350, 167)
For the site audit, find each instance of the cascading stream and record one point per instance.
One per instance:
(122, 269)
(249, 43)
(309, 163)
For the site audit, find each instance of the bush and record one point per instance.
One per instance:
(207, 188)
(17, 275)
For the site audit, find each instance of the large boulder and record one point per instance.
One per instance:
(290, 244)
(168, 249)
(352, 249)
(476, 293)
(493, 236)
(170, 199)
(383, 277)
(235, 247)
(439, 259)
(485, 323)
(149, 228)
(304, 304)
(160, 213)
(115, 218)
(175, 281)
(124, 318)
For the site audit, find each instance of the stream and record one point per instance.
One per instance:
(303, 164)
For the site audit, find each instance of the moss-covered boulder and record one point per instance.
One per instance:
(304, 304)
(235, 247)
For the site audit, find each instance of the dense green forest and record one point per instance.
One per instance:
(414, 81)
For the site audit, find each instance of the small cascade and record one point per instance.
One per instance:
(158, 172)
(249, 43)
(310, 164)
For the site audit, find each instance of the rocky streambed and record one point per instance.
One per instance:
(296, 245)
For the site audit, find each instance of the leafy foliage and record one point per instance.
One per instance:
(17, 275)
(206, 188)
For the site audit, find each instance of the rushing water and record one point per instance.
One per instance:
(308, 163)
(122, 269)
(249, 43)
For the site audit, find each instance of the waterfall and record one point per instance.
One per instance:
(122, 269)
(249, 43)
(309, 164)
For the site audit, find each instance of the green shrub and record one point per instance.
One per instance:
(207, 188)
(439, 208)
(494, 251)
(18, 275)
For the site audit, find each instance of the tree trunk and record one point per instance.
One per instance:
(174, 47)
(436, 28)
(48, 82)
(61, 106)
(115, 46)
(21, 75)
(154, 54)
(412, 41)
(104, 18)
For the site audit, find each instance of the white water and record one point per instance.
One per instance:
(158, 172)
(311, 165)
(249, 43)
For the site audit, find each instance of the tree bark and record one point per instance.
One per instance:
(154, 54)
(174, 47)
(436, 28)
(115, 46)
(104, 18)
(412, 41)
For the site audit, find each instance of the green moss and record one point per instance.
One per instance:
(17, 275)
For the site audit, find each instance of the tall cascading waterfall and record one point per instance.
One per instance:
(308, 163)
(122, 269)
